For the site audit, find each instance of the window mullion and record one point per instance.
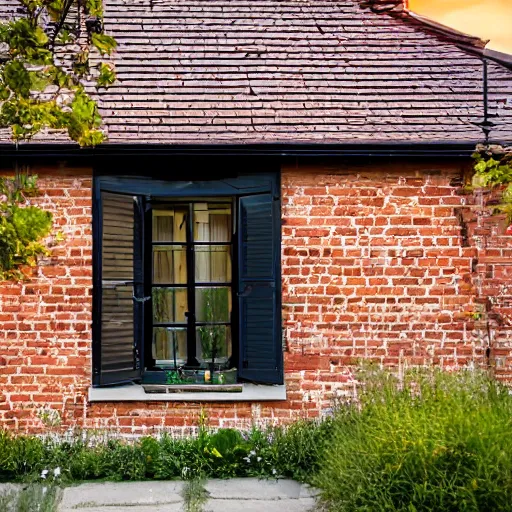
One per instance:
(191, 301)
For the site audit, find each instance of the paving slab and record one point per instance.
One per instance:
(260, 505)
(122, 495)
(177, 507)
(253, 489)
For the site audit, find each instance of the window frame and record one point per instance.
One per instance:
(237, 185)
(190, 244)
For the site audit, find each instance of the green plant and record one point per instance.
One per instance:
(21, 226)
(194, 495)
(213, 337)
(34, 497)
(38, 89)
(431, 441)
(493, 170)
(174, 377)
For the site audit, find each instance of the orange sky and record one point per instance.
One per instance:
(488, 19)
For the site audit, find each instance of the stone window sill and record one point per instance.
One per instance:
(136, 393)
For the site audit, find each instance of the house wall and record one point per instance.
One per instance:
(387, 262)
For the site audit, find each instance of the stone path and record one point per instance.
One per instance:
(239, 494)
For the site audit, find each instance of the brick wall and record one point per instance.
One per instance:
(377, 264)
(45, 322)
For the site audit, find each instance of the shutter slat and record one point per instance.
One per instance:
(260, 346)
(120, 260)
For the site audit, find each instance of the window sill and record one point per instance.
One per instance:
(136, 393)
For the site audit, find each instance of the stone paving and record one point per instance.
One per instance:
(239, 494)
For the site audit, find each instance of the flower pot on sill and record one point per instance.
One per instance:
(225, 376)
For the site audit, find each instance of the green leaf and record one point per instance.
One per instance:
(103, 43)
(107, 75)
(17, 78)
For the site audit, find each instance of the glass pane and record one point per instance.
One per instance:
(213, 304)
(213, 341)
(212, 222)
(169, 264)
(169, 305)
(213, 263)
(170, 345)
(170, 225)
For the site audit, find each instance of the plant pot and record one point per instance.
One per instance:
(225, 376)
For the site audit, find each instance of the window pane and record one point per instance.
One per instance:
(170, 225)
(170, 343)
(169, 264)
(212, 222)
(213, 263)
(169, 305)
(213, 304)
(213, 341)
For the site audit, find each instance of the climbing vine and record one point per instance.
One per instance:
(22, 226)
(44, 66)
(493, 170)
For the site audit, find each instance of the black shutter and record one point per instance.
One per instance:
(259, 290)
(117, 355)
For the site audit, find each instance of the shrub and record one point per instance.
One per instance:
(293, 452)
(435, 442)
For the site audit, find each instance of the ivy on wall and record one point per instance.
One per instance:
(493, 170)
(22, 226)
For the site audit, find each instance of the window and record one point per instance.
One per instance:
(192, 303)
(186, 277)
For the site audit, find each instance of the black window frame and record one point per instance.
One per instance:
(153, 188)
(192, 323)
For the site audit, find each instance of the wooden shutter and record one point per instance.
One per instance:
(119, 313)
(258, 290)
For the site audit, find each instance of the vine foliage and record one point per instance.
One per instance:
(493, 170)
(44, 64)
(22, 226)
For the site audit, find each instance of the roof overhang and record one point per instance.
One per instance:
(381, 150)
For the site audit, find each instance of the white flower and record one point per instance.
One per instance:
(56, 472)
(252, 452)
(44, 473)
(274, 471)
(258, 459)
(247, 459)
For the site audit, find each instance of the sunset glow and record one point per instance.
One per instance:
(488, 19)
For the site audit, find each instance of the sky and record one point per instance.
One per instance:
(488, 19)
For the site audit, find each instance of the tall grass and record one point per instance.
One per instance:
(433, 442)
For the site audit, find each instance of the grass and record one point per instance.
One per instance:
(430, 441)
(32, 498)
(434, 442)
(194, 495)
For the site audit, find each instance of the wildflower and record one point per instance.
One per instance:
(274, 472)
(258, 459)
(44, 473)
(216, 453)
(56, 472)
(247, 459)
(252, 452)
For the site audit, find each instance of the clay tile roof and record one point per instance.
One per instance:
(240, 71)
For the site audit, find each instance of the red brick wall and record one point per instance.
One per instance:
(45, 322)
(374, 267)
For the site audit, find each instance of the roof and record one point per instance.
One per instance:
(301, 71)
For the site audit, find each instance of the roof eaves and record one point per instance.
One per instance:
(505, 59)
